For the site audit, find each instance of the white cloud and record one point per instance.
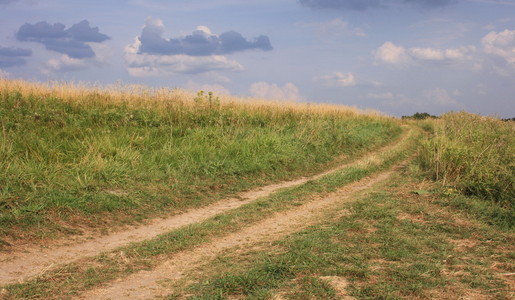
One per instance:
(387, 95)
(462, 53)
(496, 54)
(142, 65)
(501, 44)
(65, 64)
(339, 79)
(265, 90)
(390, 53)
(104, 54)
(456, 54)
(204, 29)
(426, 54)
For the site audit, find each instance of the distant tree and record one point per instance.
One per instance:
(419, 116)
(508, 119)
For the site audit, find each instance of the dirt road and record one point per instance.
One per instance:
(32, 262)
(148, 284)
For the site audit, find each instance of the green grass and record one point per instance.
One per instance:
(394, 244)
(474, 155)
(85, 274)
(73, 157)
(487, 211)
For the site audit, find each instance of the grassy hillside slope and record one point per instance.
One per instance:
(73, 156)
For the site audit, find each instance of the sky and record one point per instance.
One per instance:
(396, 56)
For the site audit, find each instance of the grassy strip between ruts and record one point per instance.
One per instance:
(394, 243)
(89, 273)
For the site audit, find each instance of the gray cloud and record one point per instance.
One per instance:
(11, 51)
(71, 42)
(11, 57)
(199, 43)
(361, 5)
(84, 33)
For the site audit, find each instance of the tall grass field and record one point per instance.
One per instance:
(473, 154)
(76, 157)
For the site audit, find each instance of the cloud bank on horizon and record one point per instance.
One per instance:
(495, 53)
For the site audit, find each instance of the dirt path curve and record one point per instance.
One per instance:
(146, 284)
(31, 262)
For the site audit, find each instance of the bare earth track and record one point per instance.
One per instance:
(22, 265)
(146, 284)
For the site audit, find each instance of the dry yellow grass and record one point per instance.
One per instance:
(135, 95)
